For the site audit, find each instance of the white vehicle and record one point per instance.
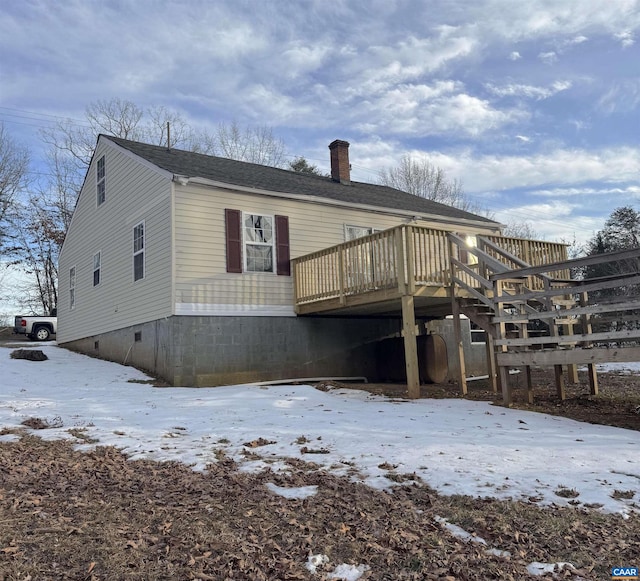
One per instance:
(36, 327)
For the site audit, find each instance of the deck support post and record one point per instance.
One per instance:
(504, 383)
(410, 347)
(593, 379)
(587, 329)
(457, 330)
(529, 382)
(491, 364)
(560, 386)
(457, 333)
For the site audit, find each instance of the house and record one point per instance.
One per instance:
(183, 264)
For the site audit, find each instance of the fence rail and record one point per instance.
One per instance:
(399, 259)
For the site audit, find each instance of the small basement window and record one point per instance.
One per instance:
(137, 336)
(478, 335)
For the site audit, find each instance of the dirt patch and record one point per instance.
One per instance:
(617, 404)
(96, 515)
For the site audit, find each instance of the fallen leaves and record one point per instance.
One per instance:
(96, 515)
(258, 443)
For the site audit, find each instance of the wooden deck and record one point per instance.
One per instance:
(370, 275)
(502, 284)
(408, 271)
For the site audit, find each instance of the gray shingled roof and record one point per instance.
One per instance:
(263, 177)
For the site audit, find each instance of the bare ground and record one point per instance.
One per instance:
(98, 516)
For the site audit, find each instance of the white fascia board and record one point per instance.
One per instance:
(339, 204)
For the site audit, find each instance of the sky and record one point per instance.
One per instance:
(533, 105)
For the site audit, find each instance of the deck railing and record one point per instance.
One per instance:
(399, 258)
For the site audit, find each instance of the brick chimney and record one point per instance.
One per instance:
(340, 167)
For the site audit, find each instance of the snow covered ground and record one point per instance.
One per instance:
(455, 446)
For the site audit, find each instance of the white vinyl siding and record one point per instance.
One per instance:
(202, 283)
(136, 193)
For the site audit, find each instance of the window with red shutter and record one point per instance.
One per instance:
(251, 244)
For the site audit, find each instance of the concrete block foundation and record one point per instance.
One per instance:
(210, 351)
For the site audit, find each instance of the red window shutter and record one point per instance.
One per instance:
(283, 266)
(233, 232)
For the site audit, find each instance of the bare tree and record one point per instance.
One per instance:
(38, 240)
(115, 117)
(422, 178)
(520, 230)
(252, 144)
(14, 167)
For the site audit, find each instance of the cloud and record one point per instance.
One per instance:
(514, 56)
(625, 38)
(557, 221)
(554, 169)
(621, 96)
(529, 91)
(419, 110)
(548, 58)
(620, 192)
(576, 40)
(559, 166)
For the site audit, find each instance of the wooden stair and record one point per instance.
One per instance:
(533, 318)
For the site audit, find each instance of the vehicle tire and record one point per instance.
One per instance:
(41, 334)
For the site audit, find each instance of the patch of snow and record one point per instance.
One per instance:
(315, 561)
(538, 569)
(459, 532)
(348, 572)
(455, 446)
(498, 553)
(627, 368)
(9, 438)
(300, 492)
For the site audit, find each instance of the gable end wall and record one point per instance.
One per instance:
(134, 193)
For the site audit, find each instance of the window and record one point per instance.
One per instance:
(353, 232)
(138, 251)
(259, 243)
(72, 287)
(96, 269)
(101, 187)
(478, 335)
(366, 266)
